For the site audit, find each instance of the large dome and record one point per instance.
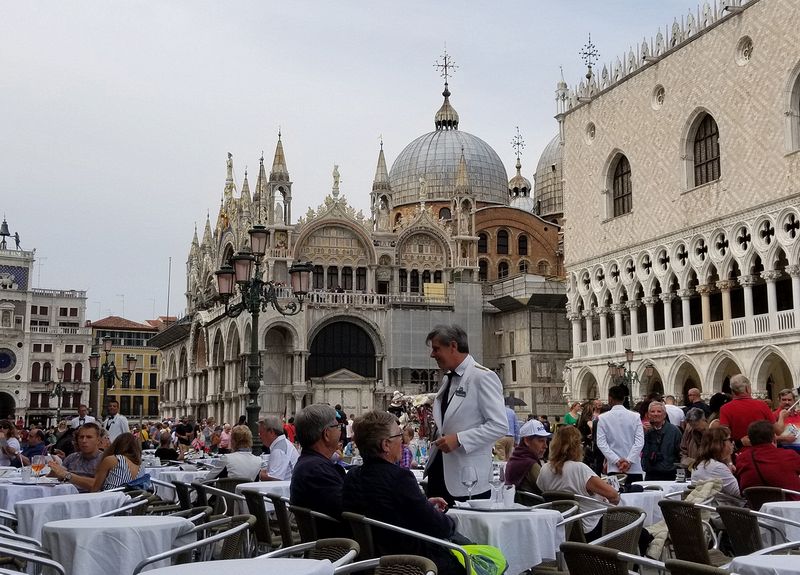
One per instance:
(548, 188)
(435, 156)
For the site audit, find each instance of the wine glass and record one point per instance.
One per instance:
(469, 478)
(37, 464)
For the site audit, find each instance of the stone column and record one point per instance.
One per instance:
(575, 320)
(617, 308)
(747, 283)
(587, 315)
(666, 299)
(686, 313)
(724, 286)
(632, 307)
(771, 276)
(705, 295)
(650, 302)
(794, 272)
(602, 313)
(324, 277)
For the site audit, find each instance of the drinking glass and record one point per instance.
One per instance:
(496, 480)
(469, 478)
(37, 464)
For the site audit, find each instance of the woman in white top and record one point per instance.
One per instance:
(714, 460)
(565, 471)
(241, 463)
(9, 444)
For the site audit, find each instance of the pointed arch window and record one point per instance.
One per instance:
(621, 186)
(706, 151)
(483, 244)
(444, 214)
(522, 247)
(502, 242)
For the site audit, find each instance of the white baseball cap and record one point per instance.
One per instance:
(534, 428)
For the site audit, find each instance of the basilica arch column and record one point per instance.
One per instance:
(686, 313)
(747, 283)
(794, 272)
(602, 313)
(632, 307)
(587, 315)
(617, 308)
(575, 319)
(650, 302)
(705, 307)
(771, 277)
(666, 299)
(724, 286)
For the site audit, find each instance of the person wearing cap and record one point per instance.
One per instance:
(522, 469)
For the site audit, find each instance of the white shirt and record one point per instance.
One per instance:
(714, 469)
(675, 415)
(282, 459)
(116, 425)
(77, 421)
(573, 478)
(243, 465)
(620, 436)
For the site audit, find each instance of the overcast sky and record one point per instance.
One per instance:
(116, 117)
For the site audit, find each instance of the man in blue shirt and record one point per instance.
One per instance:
(505, 445)
(36, 446)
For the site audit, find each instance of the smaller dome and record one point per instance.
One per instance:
(526, 203)
(549, 180)
(447, 117)
(519, 185)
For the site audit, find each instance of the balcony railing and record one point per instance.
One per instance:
(54, 330)
(785, 321)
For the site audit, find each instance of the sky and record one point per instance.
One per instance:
(116, 117)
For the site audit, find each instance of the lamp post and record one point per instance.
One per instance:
(108, 371)
(257, 296)
(627, 376)
(58, 390)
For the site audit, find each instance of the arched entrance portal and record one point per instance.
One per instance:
(7, 406)
(277, 363)
(685, 379)
(772, 376)
(342, 367)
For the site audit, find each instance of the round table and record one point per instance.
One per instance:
(156, 472)
(170, 475)
(257, 566)
(112, 545)
(277, 487)
(526, 538)
(32, 514)
(647, 501)
(11, 493)
(787, 510)
(666, 486)
(765, 565)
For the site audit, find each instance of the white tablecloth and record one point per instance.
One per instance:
(666, 486)
(111, 545)
(787, 510)
(157, 472)
(647, 501)
(255, 566)
(526, 538)
(10, 494)
(765, 565)
(32, 514)
(278, 487)
(176, 475)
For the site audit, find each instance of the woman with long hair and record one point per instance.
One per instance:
(121, 464)
(714, 460)
(9, 444)
(695, 428)
(565, 471)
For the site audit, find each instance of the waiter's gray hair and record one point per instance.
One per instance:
(445, 334)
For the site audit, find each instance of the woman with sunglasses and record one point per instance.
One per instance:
(714, 460)
(9, 444)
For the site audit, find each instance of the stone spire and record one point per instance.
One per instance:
(261, 181)
(246, 190)
(207, 232)
(463, 185)
(381, 181)
(195, 241)
(279, 173)
(447, 117)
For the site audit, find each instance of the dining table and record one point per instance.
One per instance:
(647, 501)
(665, 486)
(765, 565)
(113, 545)
(277, 487)
(168, 493)
(525, 536)
(787, 510)
(255, 566)
(32, 514)
(13, 491)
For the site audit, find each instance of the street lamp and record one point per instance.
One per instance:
(58, 390)
(626, 377)
(258, 296)
(108, 371)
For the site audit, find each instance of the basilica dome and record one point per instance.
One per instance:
(435, 157)
(548, 190)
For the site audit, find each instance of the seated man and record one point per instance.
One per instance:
(79, 467)
(282, 454)
(763, 464)
(36, 446)
(165, 450)
(317, 481)
(522, 469)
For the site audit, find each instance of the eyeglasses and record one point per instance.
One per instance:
(395, 435)
(332, 426)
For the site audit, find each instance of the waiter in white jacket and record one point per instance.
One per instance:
(470, 416)
(620, 437)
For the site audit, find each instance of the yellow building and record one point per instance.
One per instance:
(137, 393)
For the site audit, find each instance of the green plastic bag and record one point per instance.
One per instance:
(485, 559)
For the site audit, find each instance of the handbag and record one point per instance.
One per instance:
(485, 559)
(142, 482)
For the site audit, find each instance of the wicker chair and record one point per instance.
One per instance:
(288, 537)
(362, 525)
(597, 560)
(37, 560)
(758, 496)
(337, 551)
(687, 533)
(557, 495)
(308, 522)
(528, 498)
(678, 567)
(263, 530)
(196, 515)
(184, 493)
(391, 565)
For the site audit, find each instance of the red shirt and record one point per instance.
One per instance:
(288, 429)
(740, 412)
(778, 467)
